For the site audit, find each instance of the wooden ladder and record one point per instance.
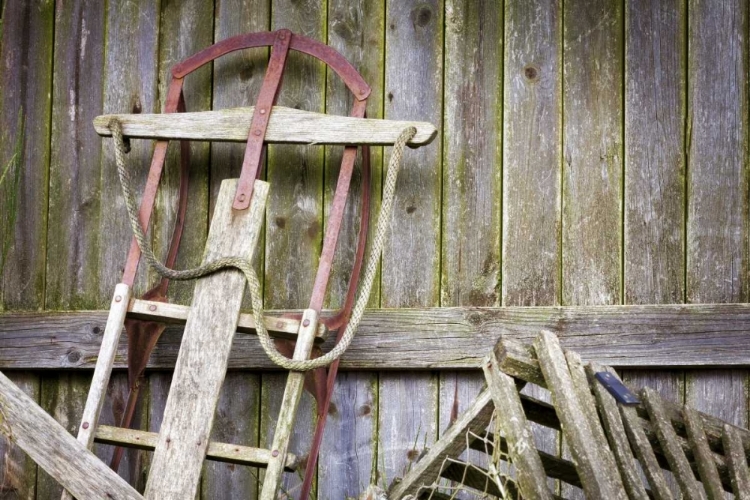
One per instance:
(211, 321)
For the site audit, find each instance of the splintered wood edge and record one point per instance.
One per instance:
(286, 125)
(220, 452)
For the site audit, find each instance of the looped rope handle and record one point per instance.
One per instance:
(245, 266)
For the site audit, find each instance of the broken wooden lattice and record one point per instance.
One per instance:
(608, 442)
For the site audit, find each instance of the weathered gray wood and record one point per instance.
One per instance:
(181, 36)
(451, 444)
(189, 413)
(717, 257)
(294, 219)
(736, 462)
(615, 431)
(289, 404)
(236, 80)
(25, 108)
(588, 405)
(347, 459)
(532, 152)
(697, 438)
(430, 338)
(74, 185)
(410, 275)
(593, 160)
(18, 472)
(645, 453)
(530, 474)
(177, 314)
(286, 126)
(221, 452)
(105, 360)
(672, 450)
(50, 445)
(587, 452)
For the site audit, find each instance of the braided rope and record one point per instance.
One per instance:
(244, 265)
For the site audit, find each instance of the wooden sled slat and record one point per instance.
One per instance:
(219, 452)
(286, 126)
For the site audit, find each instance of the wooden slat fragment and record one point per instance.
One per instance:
(286, 126)
(220, 452)
(678, 463)
(177, 314)
(737, 463)
(702, 453)
(202, 363)
(530, 474)
(451, 444)
(615, 431)
(598, 480)
(57, 452)
(645, 454)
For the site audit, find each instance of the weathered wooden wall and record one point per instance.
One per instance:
(591, 153)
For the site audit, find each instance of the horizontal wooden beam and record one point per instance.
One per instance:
(219, 452)
(287, 125)
(438, 338)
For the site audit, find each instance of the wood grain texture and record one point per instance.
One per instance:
(593, 141)
(184, 30)
(736, 462)
(18, 472)
(411, 257)
(511, 421)
(347, 460)
(130, 86)
(294, 219)
(717, 224)
(668, 440)
(532, 153)
(191, 405)
(236, 82)
(25, 105)
(286, 126)
(709, 476)
(588, 451)
(74, 189)
(472, 152)
(655, 164)
(50, 445)
(433, 338)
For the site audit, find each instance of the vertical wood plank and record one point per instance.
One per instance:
(130, 86)
(25, 99)
(74, 192)
(717, 223)
(655, 110)
(294, 219)
(592, 135)
(408, 415)
(185, 29)
(26, 48)
(532, 164)
(236, 82)
(346, 463)
(532, 153)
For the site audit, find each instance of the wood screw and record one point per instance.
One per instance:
(118, 298)
(152, 308)
(85, 425)
(275, 453)
(306, 322)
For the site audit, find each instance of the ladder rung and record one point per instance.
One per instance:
(164, 312)
(219, 452)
